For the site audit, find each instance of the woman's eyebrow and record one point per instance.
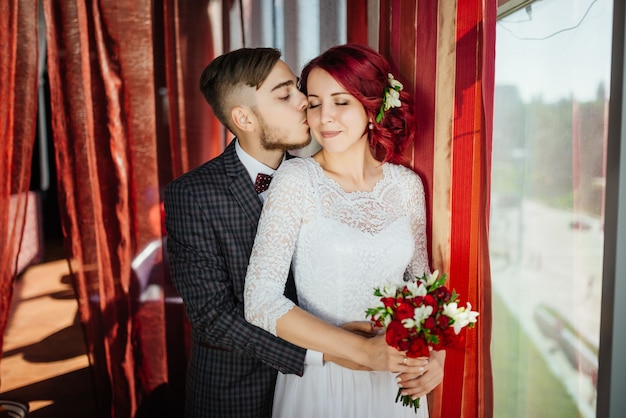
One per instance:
(339, 93)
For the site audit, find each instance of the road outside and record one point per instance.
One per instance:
(547, 267)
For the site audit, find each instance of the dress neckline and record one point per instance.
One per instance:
(335, 185)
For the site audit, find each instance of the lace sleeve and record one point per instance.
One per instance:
(274, 245)
(417, 210)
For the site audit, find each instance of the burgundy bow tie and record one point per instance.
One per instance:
(262, 182)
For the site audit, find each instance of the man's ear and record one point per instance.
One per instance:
(242, 118)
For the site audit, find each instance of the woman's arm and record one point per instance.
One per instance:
(416, 208)
(306, 330)
(287, 207)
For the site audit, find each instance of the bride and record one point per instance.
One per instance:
(350, 218)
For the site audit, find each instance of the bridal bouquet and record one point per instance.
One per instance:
(421, 315)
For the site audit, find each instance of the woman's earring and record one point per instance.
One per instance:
(371, 126)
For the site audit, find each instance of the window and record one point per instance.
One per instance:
(547, 231)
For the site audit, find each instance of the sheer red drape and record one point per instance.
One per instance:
(18, 112)
(449, 61)
(190, 42)
(126, 119)
(102, 107)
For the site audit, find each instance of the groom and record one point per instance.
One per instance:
(211, 220)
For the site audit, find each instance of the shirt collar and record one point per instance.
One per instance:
(253, 167)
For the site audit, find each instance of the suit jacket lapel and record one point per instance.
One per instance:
(241, 186)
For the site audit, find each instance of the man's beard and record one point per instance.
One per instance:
(273, 139)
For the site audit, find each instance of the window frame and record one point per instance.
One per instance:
(506, 7)
(611, 362)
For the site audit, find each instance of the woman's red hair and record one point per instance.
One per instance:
(363, 73)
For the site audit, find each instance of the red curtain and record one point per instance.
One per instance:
(18, 112)
(357, 21)
(449, 61)
(191, 41)
(127, 118)
(103, 120)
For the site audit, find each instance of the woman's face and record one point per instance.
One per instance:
(337, 119)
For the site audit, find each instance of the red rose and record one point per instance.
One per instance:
(447, 339)
(443, 321)
(418, 348)
(388, 302)
(429, 300)
(404, 310)
(429, 323)
(442, 294)
(397, 335)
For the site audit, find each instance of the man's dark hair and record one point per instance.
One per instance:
(245, 66)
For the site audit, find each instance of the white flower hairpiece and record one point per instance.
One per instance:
(391, 96)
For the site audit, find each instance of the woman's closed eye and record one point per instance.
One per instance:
(313, 105)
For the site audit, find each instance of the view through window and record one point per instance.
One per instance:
(546, 233)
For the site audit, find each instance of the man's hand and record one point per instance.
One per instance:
(345, 363)
(364, 328)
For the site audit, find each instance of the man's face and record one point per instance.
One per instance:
(281, 111)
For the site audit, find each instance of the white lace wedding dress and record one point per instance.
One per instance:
(343, 246)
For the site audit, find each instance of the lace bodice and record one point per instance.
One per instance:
(343, 244)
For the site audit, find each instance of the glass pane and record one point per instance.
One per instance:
(546, 233)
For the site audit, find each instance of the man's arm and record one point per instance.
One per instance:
(201, 270)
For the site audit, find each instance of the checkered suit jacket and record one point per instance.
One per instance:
(211, 221)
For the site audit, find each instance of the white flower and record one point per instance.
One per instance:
(395, 84)
(451, 310)
(388, 291)
(468, 316)
(461, 316)
(432, 277)
(422, 312)
(416, 288)
(392, 99)
(386, 319)
(419, 315)
(409, 323)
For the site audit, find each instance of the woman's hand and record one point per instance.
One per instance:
(381, 356)
(428, 377)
